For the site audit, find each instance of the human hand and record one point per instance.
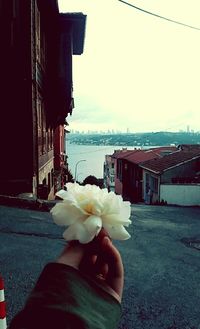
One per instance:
(100, 260)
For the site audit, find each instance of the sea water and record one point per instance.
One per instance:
(94, 156)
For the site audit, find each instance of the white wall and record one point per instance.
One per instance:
(182, 195)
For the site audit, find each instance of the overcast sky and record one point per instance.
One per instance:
(137, 72)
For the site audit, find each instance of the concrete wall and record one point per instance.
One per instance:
(183, 195)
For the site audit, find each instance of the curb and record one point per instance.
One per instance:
(3, 323)
(27, 203)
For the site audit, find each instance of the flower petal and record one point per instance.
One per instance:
(65, 213)
(125, 211)
(87, 208)
(115, 219)
(117, 232)
(113, 204)
(91, 206)
(78, 232)
(93, 224)
(62, 194)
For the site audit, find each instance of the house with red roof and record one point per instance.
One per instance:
(128, 173)
(173, 178)
(110, 164)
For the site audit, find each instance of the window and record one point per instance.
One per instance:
(119, 169)
(154, 184)
(14, 9)
(39, 120)
(42, 50)
(37, 23)
(147, 183)
(44, 132)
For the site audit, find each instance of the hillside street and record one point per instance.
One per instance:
(161, 260)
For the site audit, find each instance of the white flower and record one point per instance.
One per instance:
(86, 209)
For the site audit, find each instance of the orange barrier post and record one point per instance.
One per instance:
(3, 324)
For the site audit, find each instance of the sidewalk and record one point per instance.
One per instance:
(27, 203)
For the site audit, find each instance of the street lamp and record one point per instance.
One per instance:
(77, 166)
(79, 174)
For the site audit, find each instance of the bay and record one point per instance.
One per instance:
(94, 156)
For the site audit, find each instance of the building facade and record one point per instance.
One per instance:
(173, 179)
(130, 174)
(109, 173)
(36, 77)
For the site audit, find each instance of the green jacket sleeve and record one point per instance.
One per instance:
(63, 298)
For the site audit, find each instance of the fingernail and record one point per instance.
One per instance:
(106, 241)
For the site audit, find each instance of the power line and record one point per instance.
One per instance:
(159, 16)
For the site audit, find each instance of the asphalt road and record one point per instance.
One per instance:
(162, 263)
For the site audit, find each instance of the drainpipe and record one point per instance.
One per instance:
(159, 181)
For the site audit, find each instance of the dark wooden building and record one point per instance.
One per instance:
(37, 44)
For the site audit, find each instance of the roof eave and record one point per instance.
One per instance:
(179, 164)
(151, 170)
(76, 22)
(48, 6)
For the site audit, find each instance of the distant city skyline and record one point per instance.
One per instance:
(142, 74)
(127, 131)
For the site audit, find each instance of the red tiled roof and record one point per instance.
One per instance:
(122, 153)
(139, 156)
(166, 162)
(163, 149)
(186, 147)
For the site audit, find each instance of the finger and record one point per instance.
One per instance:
(87, 264)
(115, 275)
(96, 244)
(91, 264)
(101, 268)
(112, 256)
(103, 233)
(97, 267)
(72, 254)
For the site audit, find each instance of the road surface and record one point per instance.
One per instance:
(162, 263)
